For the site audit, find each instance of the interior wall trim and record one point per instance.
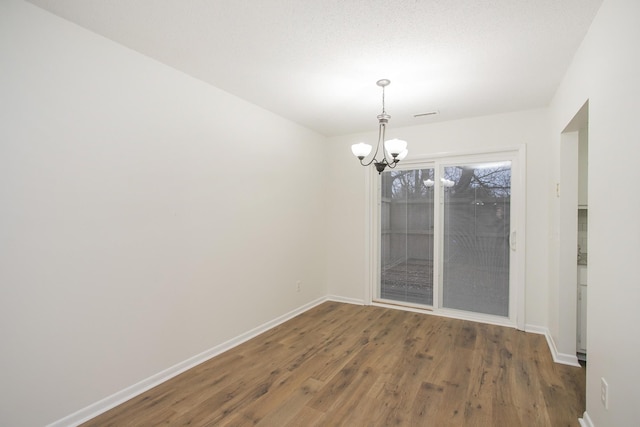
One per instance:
(346, 300)
(585, 421)
(109, 402)
(562, 358)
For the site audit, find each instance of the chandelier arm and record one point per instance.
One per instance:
(381, 132)
(384, 151)
(375, 154)
(367, 164)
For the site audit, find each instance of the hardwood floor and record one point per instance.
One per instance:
(347, 365)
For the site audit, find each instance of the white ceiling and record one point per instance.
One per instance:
(316, 61)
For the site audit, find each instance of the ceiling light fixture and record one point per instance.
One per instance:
(393, 150)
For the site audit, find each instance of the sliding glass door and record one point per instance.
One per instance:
(476, 225)
(407, 213)
(444, 237)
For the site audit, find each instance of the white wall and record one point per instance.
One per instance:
(145, 216)
(605, 71)
(347, 255)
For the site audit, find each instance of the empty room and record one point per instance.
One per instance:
(319, 213)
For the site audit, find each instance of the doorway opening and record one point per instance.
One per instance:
(572, 226)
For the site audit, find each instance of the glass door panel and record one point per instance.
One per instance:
(476, 226)
(406, 239)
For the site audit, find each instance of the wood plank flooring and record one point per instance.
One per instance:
(347, 365)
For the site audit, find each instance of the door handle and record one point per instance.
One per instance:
(512, 240)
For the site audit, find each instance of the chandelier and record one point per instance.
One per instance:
(393, 150)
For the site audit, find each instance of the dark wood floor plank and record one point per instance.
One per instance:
(346, 365)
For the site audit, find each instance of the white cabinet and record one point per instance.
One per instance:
(582, 310)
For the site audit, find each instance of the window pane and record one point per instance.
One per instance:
(476, 218)
(407, 236)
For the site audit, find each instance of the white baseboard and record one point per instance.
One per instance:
(346, 300)
(563, 358)
(585, 421)
(95, 409)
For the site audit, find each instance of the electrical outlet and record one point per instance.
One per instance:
(604, 393)
(298, 286)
